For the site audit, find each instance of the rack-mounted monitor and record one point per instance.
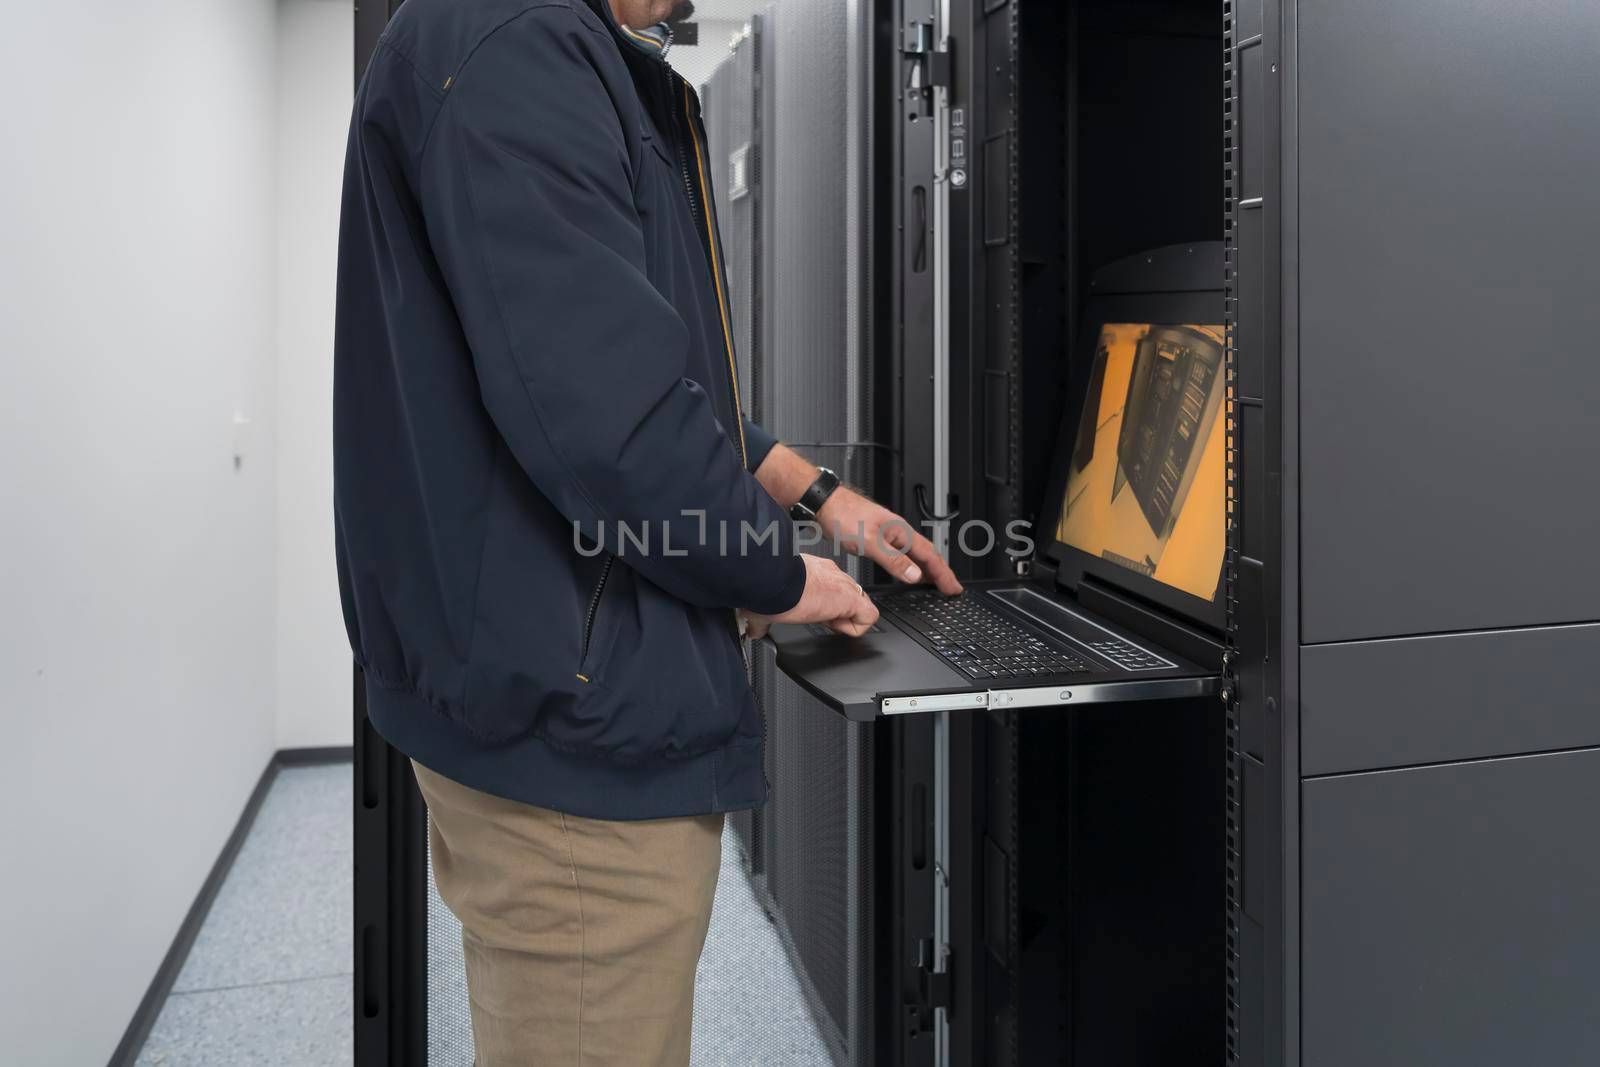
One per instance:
(1139, 499)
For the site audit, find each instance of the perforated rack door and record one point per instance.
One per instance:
(818, 385)
(734, 106)
(817, 381)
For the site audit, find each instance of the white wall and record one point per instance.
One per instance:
(315, 88)
(137, 316)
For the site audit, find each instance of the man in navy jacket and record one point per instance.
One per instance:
(550, 506)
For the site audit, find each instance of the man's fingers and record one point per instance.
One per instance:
(853, 627)
(921, 551)
(867, 611)
(941, 573)
(888, 550)
(860, 616)
(917, 559)
(903, 567)
(756, 626)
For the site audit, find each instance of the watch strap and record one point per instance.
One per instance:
(817, 494)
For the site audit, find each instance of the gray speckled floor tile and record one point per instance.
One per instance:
(748, 1005)
(284, 911)
(307, 812)
(273, 921)
(305, 1023)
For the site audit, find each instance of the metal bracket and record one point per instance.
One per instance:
(936, 702)
(933, 65)
(934, 986)
(918, 38)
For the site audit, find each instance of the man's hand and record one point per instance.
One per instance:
(864, 528)
(857, 525)
(831, 596)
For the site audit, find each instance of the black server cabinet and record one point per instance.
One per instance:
(1089, 850)
(1437, 618)
(1408, 726)
(1262, 803)
(736, 113)
(1412, 723)
(824, 377)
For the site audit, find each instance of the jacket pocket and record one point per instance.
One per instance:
(531, 599)
(591, 616)
(654, 165)
(661, 679)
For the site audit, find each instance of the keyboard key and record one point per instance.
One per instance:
(981, 642)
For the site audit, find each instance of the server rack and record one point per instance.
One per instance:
(821, 331)
(1405, 737)
(1428, 728)
(1058, 939)
(735, 113)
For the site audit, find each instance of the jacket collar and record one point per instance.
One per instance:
(653, 41)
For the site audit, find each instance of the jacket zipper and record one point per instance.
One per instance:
(594, 610)
(685, 168)
(688, 186)
(703, 218)
(700, 208)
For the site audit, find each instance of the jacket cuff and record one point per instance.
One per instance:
(757, 443)
(787, 594)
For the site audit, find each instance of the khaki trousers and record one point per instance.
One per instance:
(581, 935)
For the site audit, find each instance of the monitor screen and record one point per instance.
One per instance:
(1145, 480)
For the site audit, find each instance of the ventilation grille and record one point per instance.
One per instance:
(731, 107)
(816, 372)
(818, 869)
(749, 827)
(810, 874)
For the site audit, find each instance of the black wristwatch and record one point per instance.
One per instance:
(806, 508)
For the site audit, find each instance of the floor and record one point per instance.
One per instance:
(269, 978)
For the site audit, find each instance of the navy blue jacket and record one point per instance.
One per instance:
(532, 333)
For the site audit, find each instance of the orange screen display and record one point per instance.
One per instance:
(1145, 479)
